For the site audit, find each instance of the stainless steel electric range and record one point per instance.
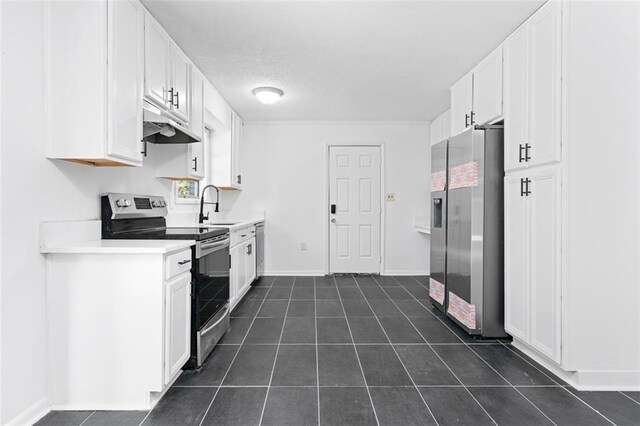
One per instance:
(135, 217)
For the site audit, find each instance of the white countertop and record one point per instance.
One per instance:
(119, 247)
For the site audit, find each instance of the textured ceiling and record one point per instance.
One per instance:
(339, 60)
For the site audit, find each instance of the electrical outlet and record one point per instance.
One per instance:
(391, 196)
(303, 246)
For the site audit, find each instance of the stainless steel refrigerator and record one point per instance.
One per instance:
(474, 249)
(438, 278)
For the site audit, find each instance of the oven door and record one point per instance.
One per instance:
(211, 279)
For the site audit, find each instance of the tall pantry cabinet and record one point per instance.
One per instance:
(532, 103)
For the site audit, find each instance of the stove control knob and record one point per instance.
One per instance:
(121, 202)
(163, 204)
(155, 203)
(127, 203)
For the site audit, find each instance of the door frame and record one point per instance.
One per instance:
(383, 204)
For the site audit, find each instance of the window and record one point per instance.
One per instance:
(186, 191)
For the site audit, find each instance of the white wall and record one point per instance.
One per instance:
(602, 119)
(284, 167)
(33, 190)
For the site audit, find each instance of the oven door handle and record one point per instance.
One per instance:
(203, 250)
(212, 326)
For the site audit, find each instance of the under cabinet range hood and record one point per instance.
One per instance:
(158, 128)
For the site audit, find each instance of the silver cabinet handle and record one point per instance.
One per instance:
(333, 220)
(178, 100)
(184, 262)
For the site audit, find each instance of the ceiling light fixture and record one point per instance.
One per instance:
(268, 95)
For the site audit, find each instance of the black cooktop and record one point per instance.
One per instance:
(195, 233)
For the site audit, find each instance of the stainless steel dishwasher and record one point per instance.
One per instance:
(259, 249)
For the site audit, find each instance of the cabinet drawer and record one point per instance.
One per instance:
(242, 235)
(177, 263)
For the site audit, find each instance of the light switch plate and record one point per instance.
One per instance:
(391, 196)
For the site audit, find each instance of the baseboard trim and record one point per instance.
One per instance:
(32, 414)
(586, 380)
(398, 272)
(401, 272)
(293, 273)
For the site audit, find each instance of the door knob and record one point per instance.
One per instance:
(333, 220)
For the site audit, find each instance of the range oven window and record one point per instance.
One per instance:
(211, 285)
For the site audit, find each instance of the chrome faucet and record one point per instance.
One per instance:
(202, 217)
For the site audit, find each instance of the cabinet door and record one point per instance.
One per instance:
(197, 103)
(516, 255)
(126, 74)
(515, 98)
(196, 159)
(446, 124)
(544, 85)
(461, 104)
(251, 261)
(544, 259)
(156, 62)
(436, 129)
(236, 150)
(177, 325)
(238, 272)
(487, 88)
(180, 83)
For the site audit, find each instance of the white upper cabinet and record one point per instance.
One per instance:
(237, 130)
(157, 46)
(516, 65)
(441, 127)
(226, 155)
(545, 84)
(532, 90)
(94, 84)
(446, 124)
(197, 102)
(167, 72)
(436, 129)
(180, 84)
(461, 104)
(487, 88)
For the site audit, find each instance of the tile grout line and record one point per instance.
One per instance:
(391, 343)
(482, 359)
(511, 385)
(469, 347)
(92, 413)
(275, 359)
(234, 357)
(627, 396)
(436, 353)
(315, 318)
(370, 386)
(373, 407)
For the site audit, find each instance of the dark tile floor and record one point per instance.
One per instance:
(351, 350)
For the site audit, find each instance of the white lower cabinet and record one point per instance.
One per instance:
(177, 325)
(532, 258)
(243, 267)
(124, 315)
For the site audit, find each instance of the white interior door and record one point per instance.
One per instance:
(354, 190)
